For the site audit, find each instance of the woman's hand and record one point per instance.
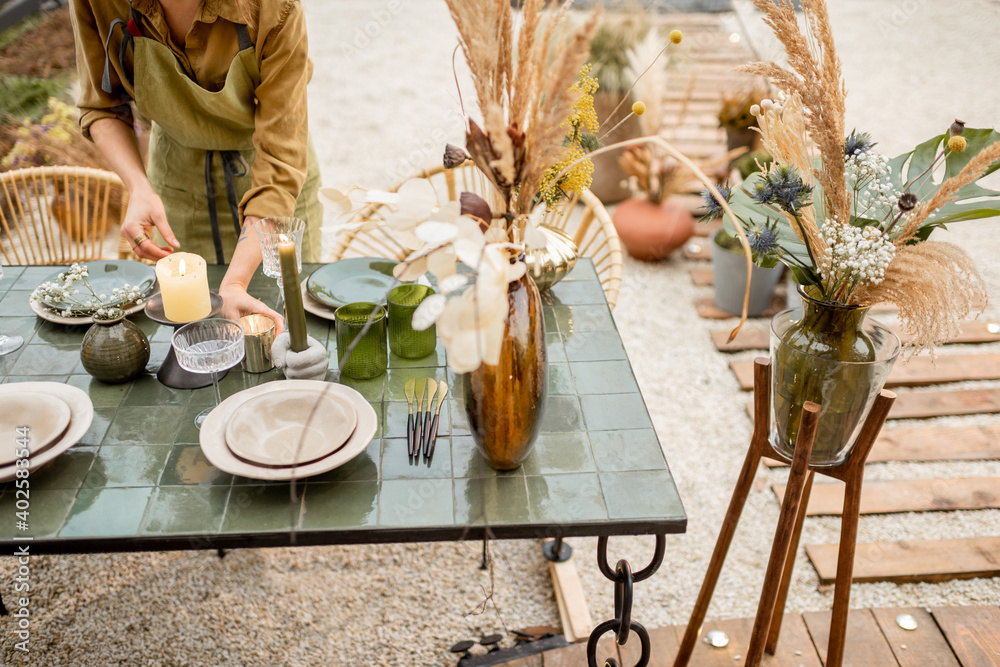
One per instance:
(237, 303)
(144, 216)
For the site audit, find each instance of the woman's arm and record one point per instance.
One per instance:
(116, 141)
(246, 258)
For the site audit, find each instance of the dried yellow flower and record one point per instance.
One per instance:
(957, 144)
(639, 108)
(676, 36)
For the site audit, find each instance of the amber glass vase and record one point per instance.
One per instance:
(833, 355)
(504, 403)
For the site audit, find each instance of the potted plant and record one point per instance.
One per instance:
(730, 279)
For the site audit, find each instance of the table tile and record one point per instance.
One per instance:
(559, 453)
(15, 304)
(46, 512)
(579, 319)
(396, 415)
(146, 390)
(641, 495)
(432, 360)
(107, 512)
(99, 427)
(560, 380)
(261, 508)
(627, 450)
(411, 502)
(565, 498)
(24, 327)
(373, 390)
(186, 509)
(578, 292)
(10, 276)
(33, 276)
(561, 413)
(492, 500)
(339, 505)
(187, 465)
(398, 464)
(615, 411)
(603, 377)
(457, 417)
(584, 270)
(144, 426)
(554, 350)
(67, 471)
(127, 465)
(58, 334)
(102, 395)
(48, 360)
(397, 377)
(363, 467)
(593, 346)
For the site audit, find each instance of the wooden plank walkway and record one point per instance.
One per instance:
(944, 637)
(916, 495)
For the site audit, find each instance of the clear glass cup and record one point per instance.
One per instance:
(8, 343)
(208, 346)
(269, 232)
(404, 341)
(370, 356)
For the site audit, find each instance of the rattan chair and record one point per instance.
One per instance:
(583, 218)
(60, 215)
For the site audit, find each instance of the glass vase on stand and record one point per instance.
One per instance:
(833, 355)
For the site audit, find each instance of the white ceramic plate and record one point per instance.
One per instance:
(272, 428)
(213, 432)
(46, 416)
(81, 415)
(40, 309)
(317, 308)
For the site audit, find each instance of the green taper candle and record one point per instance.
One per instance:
(295, 314)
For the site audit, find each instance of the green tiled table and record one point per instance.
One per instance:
(139, 481)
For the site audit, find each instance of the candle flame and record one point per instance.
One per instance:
(181, 269)
(284, 239)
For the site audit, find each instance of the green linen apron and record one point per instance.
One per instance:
(191, 126)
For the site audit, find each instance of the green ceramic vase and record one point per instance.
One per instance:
(114, 350)
(504, 403)
(832, 355)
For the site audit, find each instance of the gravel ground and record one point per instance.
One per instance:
(382, 103)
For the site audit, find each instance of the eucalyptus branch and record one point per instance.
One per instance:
(701, 176)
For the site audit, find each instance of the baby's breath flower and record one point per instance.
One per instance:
(859, 256)
(957, 143)
(676, 36)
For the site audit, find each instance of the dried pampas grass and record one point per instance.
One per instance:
(816, 77)
(935, 285)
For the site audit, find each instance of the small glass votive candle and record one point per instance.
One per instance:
(258, 336)
(370, 357)
(404, 341)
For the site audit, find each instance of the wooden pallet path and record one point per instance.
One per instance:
(758, 338)
(944, 637)
(919, 371)
(932, 443)
(916, 495)
(905, 561)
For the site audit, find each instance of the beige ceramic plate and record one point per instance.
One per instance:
(317, 308)
(45, 416)
(213, 432)
(272, 428)
(43, 312)
(81, 415)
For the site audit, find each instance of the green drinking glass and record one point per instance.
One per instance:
(370, 357)
(404, 341)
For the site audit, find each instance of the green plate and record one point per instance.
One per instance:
(106, 274)
(350, 280)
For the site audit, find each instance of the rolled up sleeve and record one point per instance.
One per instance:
(90, 32)
(281, 131)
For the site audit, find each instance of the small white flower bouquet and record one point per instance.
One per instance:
(71, 295)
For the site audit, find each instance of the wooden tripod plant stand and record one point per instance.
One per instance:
(770, 609)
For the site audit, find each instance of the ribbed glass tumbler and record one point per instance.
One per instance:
(370, 357)
(404, 341)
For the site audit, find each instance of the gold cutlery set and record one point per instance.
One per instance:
(421, 428)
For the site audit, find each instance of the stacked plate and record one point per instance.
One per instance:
(104, 276)
(50, 417)
(288, 429)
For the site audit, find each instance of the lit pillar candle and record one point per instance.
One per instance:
(183, 279)
(295, 314)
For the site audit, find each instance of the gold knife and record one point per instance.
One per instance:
(432, 440)
(418, 422)
(424, 433)
(408, 390)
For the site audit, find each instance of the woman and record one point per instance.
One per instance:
(224, 84)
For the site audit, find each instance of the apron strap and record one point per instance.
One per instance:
(244, 36)
(129, 30)
(233, 167)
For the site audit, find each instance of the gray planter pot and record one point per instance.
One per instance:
(730, 277)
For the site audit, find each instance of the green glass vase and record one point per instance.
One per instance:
(833, 355)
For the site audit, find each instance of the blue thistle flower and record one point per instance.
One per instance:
(762, 193)
(856, 144)
(789, 191)
(712, 207)
(763, 239)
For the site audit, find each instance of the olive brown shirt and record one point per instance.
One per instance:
(280, 44)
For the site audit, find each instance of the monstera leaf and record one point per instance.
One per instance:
(963, 206)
